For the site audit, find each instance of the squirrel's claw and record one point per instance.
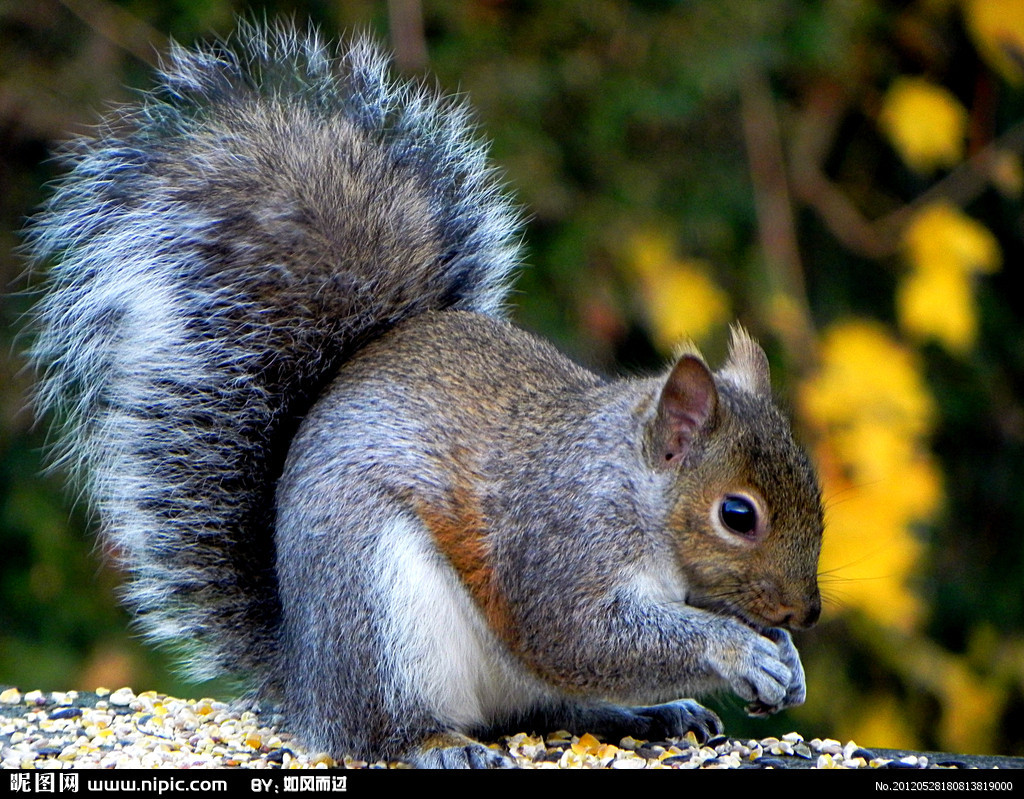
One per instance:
(675, 719)
(473, 755)
(796, 690)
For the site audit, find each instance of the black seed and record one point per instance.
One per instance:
(66, 713)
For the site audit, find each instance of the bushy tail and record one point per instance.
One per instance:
(218, 251)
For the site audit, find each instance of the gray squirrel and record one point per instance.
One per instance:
(273, 335)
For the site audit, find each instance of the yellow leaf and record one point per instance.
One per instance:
(938, 304)
(866, 374)
(873, 413)
(924, 122)
(944, 248)
(681, 301)
(872, 552)
(998, 30)
(875, 453)
(942, 236)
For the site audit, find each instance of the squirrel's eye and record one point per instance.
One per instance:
(739, 515)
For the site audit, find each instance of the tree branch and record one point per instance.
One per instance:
(121, 28)
(776, 225)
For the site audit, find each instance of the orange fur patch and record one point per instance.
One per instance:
(459, 531)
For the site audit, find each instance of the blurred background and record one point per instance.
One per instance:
(843, 176)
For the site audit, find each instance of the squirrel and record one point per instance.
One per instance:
(273, 335)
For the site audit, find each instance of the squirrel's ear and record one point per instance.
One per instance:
(688, 404)
(747, 365)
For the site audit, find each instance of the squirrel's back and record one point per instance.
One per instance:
(219, 249)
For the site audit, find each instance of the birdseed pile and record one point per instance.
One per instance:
(122, 729)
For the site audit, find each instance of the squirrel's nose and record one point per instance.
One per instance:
(809, 617)
(798, 617)
(812, 615)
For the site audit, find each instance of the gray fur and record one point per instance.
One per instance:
(218, 249)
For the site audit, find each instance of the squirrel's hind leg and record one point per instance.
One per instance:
(456, 751)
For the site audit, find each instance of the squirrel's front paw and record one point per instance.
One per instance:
(757, 668)
(796, 691)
